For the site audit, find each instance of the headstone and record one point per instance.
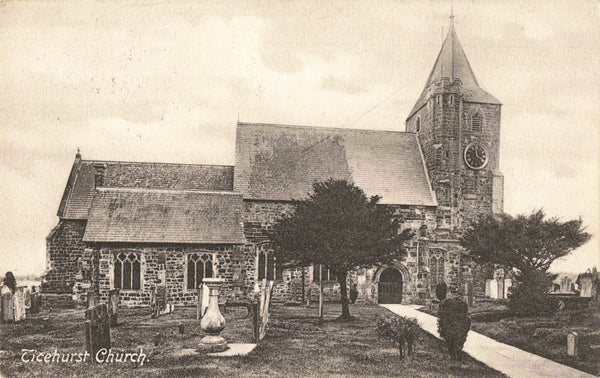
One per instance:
(494, 289)
(7, 307)
(158, 301)
(36, 303)
(507, 285)
(585, 285)
(97, 329)
(264, 302)
(203, 298)
(488, 288)
(19, 305)
(572, 339)
(113, 306)
(469, 293)
(565, 284)
(500, 282)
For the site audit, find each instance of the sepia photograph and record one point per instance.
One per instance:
(300, 188)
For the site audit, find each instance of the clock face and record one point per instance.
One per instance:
(476, 156)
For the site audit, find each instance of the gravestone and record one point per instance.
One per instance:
(500, 283)
(158, 302)
(585, 285)
(203, 299)
(260, 310)
(36, 303)
(494, 289)
(6, 303)
(469, 293)
(113, 306)
(507, 285)
(488, 288)
(572, 340)
(19, 305)
(97, 329)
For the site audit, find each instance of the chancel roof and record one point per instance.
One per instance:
(281, 162)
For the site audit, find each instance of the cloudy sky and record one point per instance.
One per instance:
(166, 80)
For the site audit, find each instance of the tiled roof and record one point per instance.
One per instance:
(165, 216)
(79, 191)
(279, 162)
(452, 63)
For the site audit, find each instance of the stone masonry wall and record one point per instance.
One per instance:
(64, 253)
(463, 194)
(234, 263)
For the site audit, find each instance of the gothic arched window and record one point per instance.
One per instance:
(127, 271)
(418, 124)
(436, 266)
(199, 266)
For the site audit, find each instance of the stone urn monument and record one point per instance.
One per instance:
(212, 322)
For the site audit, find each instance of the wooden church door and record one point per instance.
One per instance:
(390, 286)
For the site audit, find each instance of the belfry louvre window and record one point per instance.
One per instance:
(320, 272)
(127, 271)
(266, 265)
(199, 266)
(476, 122)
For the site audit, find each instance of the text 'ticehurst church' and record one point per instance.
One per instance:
(135, 226)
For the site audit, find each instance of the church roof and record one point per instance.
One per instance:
(281, 162)
(452, 63)
(79, 192)
(165, 216)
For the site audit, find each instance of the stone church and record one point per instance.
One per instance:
(135, 226)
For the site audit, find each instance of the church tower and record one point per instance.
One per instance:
(458, 127)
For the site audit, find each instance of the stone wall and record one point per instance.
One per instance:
(64, 256)
(445, 130)
(166, 265)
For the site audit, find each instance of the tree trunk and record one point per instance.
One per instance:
(344, 295)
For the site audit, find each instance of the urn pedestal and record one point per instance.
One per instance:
(212, 322)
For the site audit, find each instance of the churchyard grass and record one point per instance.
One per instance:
(295, 345)
(544, 336)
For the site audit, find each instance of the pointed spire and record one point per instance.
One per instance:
(452, 63)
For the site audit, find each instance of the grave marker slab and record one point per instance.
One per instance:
(19, 305)
(7, 307)
(97, 329)
(113, 306)
(572, 340)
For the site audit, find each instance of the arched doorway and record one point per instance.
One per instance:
(390, 286)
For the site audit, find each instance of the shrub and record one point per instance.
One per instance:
(454, 324)
(530, 296)
(441, 290)
(399, 330)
